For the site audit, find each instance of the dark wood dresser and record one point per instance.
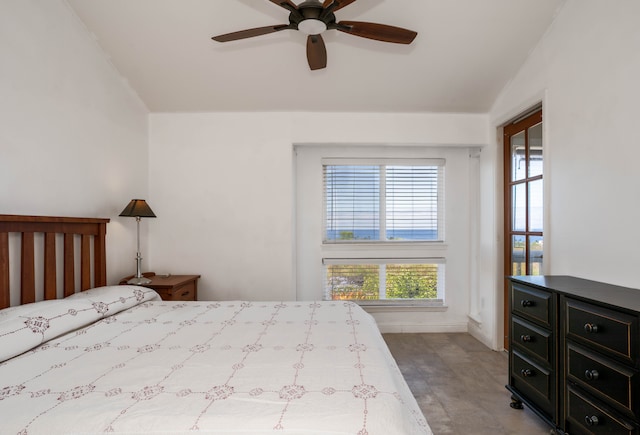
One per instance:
(574, 356)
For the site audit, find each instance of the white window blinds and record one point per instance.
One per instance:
(385, 201)
(352, 195)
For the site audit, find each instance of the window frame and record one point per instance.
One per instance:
(383, 262)
(389, 251)
(382, 212)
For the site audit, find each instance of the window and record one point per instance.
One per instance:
(381, 204)
(404, 212)
(380, 201)
(383, 279)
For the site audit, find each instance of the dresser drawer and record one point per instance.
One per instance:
(534, 380)
(587, 416)
(615, 383)
(532, 338)
(608, 330)
(532, 303)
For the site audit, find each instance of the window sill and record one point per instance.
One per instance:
(394, 245)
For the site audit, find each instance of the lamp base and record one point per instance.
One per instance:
(139, 281)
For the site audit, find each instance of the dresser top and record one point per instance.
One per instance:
(614, 295)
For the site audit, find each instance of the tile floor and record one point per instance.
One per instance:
(459, 385)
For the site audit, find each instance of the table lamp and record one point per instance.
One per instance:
(138, 208)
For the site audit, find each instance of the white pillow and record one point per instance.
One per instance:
(24, 327)
(130, 295)
(28, 326)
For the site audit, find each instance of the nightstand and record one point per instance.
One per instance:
(172, 287)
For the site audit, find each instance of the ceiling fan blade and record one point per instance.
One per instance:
(316, 52)
(287, 4)
(336, 4)
(250, 33)
(379, 32)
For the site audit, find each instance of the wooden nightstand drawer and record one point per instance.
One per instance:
(172, 287)
(186, 292)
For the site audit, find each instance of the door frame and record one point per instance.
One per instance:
(529, 119)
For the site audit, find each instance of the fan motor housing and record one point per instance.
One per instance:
(311, 10)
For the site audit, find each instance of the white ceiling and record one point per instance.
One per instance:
(465, 53)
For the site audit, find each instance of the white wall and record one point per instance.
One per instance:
(73, 136)
(585, 70)
(222, 185)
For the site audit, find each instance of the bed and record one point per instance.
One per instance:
(118, 359)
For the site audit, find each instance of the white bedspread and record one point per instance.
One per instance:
(153, 367)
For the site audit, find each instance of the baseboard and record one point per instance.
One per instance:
(475, 330)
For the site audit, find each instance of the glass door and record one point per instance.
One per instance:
(523, 198)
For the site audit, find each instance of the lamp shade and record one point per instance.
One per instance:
(138, 208)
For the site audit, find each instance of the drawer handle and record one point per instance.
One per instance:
(591, 375)
(591, 420)
(527, 373)
(526, 303)
(526, 338)
(185, 293)
(590, 328)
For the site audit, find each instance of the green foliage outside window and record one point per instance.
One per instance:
(412, 281)
(346, 235)
(359, 281)
(403, 281)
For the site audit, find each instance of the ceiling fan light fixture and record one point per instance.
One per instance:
(312, 26)
(313, 17)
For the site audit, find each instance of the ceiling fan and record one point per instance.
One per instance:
(313, 17)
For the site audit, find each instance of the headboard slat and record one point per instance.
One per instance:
(50, 281)
(85, 263)
(27, 267)
(4, 270)
(100, 257)
(88, 228)
(69, 266)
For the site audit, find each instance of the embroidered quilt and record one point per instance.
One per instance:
(120, 360)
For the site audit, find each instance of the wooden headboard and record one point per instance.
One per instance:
(70, 228)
